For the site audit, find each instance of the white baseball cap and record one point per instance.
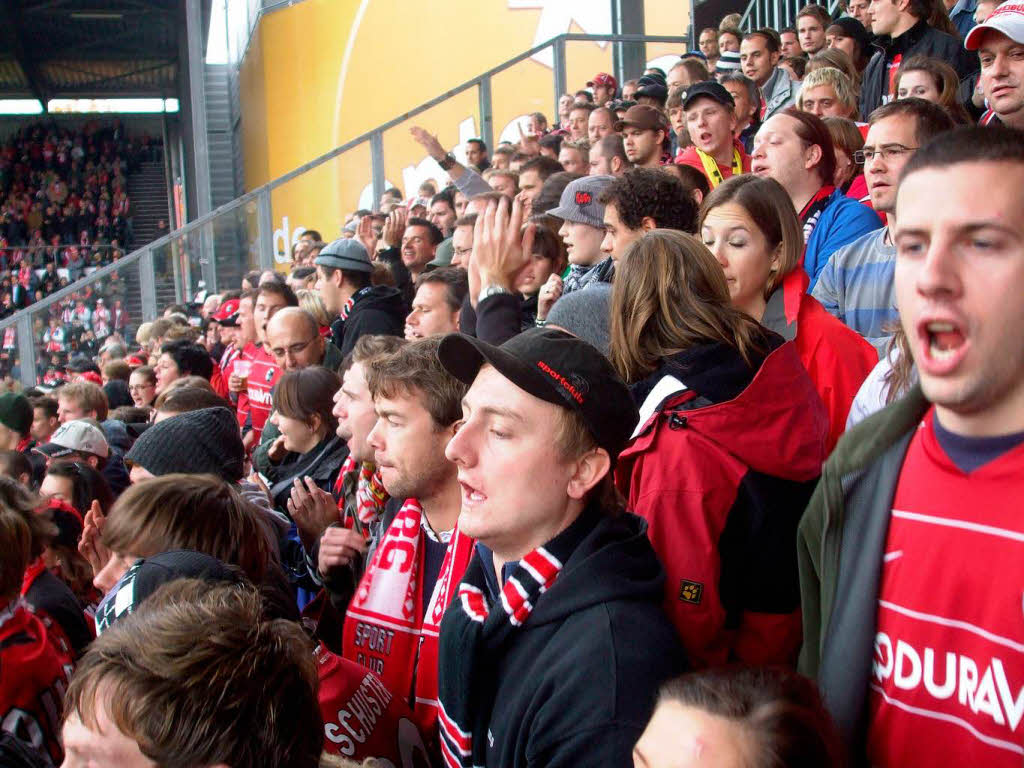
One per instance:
(1008, 18)
(76, 436)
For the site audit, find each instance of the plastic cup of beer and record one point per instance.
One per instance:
(242, 369)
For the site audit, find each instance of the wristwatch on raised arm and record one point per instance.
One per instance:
(492, 289)
(447, 162)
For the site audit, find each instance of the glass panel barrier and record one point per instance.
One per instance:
(80, 321)
(453, 122)
(520, 90)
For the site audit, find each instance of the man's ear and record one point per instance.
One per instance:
(813, 156)
(647, 224)
(588, 470)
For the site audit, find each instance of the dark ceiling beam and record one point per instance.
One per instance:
(14, 34)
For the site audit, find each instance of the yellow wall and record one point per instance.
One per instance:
(322, 72)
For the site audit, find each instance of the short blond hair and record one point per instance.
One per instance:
(841, 84)
(87, 396)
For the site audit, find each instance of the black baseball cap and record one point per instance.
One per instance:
(558, 368)
(710, 88)
(149, 574)
(653, 86)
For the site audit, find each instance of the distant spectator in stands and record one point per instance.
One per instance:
(933, 80)
(729, 40)
(644, 135)
(343, 281)
(442, 212)
(501, 159)
(652, 90)
(608, 157)
(795, 149)
(789, 43)
(142, 386)
(476, 155)
(462, 240)
(504, 181)
(828, 93)
(851, 37)
(711, 123)
(44, 418)
(747, 99)
(437, 303)
(181, 358)
(708, 44)
(605, 87)
(599, 124)
(301, 278)
(905, 31)
(532, 176)
(579, 116)
(811, 23)
(550, 145)
(759, 59)
(574, 156)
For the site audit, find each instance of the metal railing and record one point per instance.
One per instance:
(777, 14)
(239, 235)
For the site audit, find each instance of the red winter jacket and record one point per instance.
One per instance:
(721, 468)
(35, 659)
(837, 358)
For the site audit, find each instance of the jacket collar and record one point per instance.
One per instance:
(892, 46)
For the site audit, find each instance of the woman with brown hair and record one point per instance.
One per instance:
(847, 140)
(549, 258)
(308, 452)
(730, 442)
(933, 80)
(751, 228)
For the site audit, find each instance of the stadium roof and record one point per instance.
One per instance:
(97, 48)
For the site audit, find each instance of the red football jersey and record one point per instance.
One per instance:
(364, 719)
(263, 375)
(947, 685)
(35, 666)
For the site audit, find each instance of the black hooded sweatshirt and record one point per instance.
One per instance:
(379, 311)
(577, 682)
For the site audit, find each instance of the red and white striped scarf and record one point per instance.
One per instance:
(386, 626)
(369, 492)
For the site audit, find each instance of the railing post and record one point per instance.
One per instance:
(27, 351)
(147, 285)
(486, 112)
(558, 56)
(208, 257)
(265, 230)
(172, 253)
(378, 177)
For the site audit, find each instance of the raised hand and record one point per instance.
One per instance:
(312, 509)
(428, 141)
(501, 247)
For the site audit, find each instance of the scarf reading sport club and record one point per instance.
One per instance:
(475, 631)
(383, 629)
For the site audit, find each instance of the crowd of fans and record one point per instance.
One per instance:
(683, 432)
(64, 211)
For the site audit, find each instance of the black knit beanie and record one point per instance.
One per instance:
(196, 442)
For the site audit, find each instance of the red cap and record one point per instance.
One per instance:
(90, 376)
(134, 361)
(227, 313)
(603, 78)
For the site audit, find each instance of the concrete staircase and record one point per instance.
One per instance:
(147, 189)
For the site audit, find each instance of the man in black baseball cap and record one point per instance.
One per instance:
(561, 576)
(711, 122)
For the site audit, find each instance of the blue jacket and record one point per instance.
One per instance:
(842, 221)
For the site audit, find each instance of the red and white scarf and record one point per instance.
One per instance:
(370, 493)
(384, 630)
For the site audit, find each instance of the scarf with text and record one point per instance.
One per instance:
(361, 495)
(384, 630)
(812, 211)
(711, 169)
(473, 630)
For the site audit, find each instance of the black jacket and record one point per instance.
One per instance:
(381, 311)
(51, 596)
(918, 40)
(576, 684)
